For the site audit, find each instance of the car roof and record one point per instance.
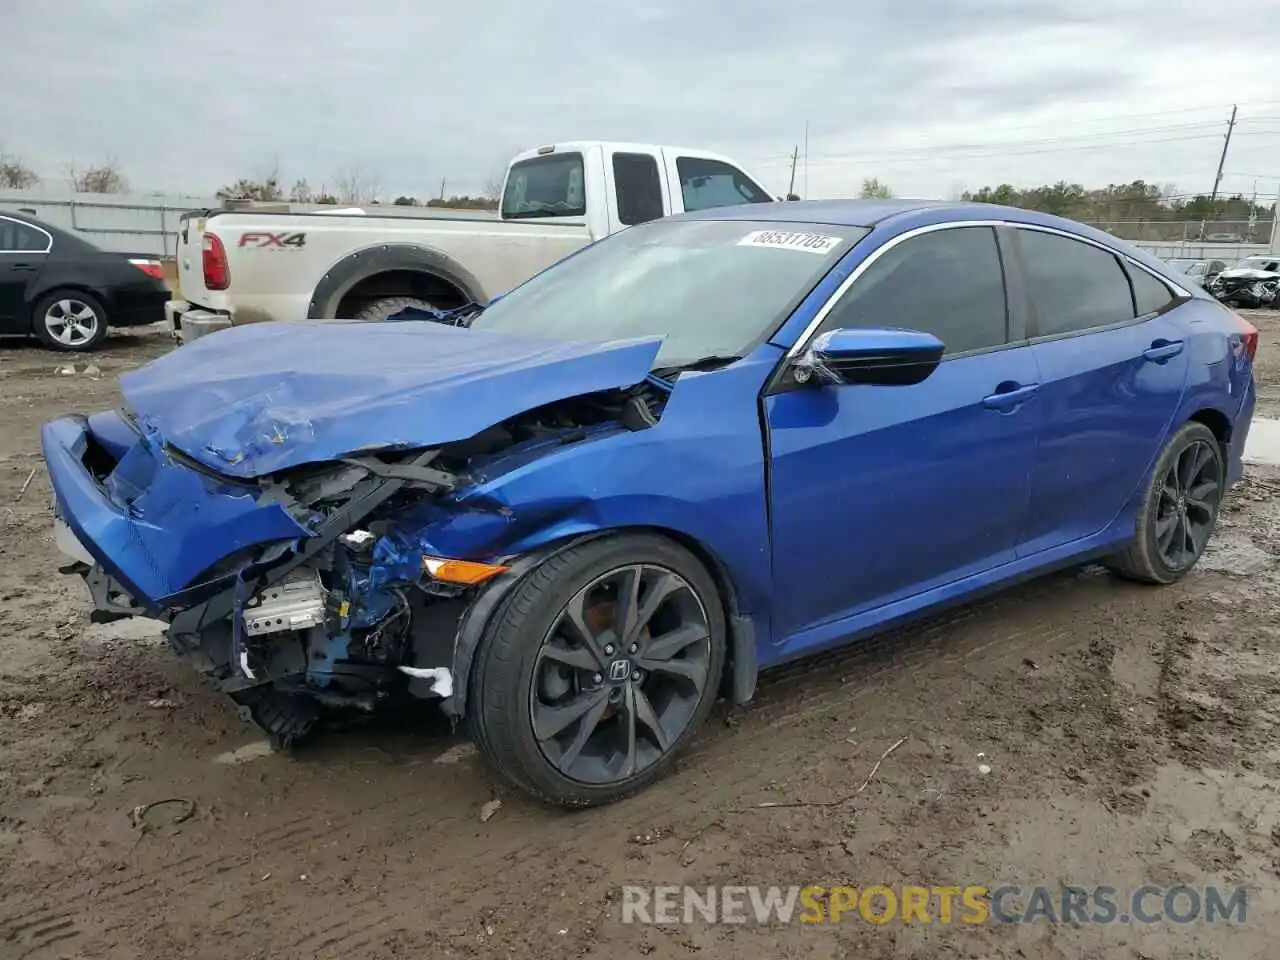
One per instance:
(909, 214)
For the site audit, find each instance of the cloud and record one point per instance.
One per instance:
(928, 96)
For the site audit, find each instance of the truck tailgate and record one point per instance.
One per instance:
(189, 255)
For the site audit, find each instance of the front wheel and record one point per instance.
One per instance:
(1180, 509)
(598, 669)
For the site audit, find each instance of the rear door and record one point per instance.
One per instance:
(24, 248)
(636, 187)
(1113, 366)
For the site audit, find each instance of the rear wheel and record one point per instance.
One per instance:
(70, 320)
(389, 307)
(1180, 509)
(598, 669)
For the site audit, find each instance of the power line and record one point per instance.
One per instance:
(1067, 138)
(1000, 149)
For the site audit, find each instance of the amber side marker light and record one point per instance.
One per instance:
(466, 572)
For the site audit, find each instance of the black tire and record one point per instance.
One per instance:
(70, 337)
(1145, 559)
(501, 712)
(389, 307)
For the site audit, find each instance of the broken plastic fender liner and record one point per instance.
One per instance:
(466, 572)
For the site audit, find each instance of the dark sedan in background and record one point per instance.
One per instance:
(1201, 271)
(68, 292)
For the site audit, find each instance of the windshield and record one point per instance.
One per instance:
(710, 288)
(548, 186)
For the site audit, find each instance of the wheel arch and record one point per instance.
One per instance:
(385, 259)
(1217, 421)
(738, 681)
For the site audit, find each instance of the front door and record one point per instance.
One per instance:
(881, 493)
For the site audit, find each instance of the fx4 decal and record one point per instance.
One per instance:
(260, 240)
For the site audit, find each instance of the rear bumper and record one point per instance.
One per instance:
(139, 310)
(151, 524)
(190, 322)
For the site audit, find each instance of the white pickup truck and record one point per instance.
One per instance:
(247, 266)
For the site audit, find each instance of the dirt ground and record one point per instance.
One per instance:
(1130, 735)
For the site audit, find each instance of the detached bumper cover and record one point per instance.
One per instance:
(152, 524)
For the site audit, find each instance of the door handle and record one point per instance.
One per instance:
(1010, 395)
(1161, 350)
(25, 268)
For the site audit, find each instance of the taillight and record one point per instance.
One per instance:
(217, 274)
(1248, 337)
(152, 268)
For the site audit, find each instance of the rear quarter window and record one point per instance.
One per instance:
(1150, 295)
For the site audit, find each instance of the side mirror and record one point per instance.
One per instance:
(875, 357)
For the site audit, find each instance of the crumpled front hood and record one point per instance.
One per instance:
(1248, 273)
(252, 400)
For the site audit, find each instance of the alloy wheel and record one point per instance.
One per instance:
(1188, 504)
(71, 322)
(618, 678)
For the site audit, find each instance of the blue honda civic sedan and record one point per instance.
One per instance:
(695, 450)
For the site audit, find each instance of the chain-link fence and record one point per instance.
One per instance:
(1257, 230)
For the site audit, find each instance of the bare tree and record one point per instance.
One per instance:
(15, 174)
(356, 186)
(873, 189)
(264, 186)
(103, 178)
(493, 185)
(301, 192)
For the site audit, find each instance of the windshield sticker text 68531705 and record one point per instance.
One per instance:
(788, 240)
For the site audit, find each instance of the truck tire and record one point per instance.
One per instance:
(389, 307)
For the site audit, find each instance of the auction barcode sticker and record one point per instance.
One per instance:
(786, 240)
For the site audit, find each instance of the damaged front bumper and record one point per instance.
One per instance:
(287, 604)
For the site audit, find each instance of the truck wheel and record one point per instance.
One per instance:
(598, 669)
(389, 307)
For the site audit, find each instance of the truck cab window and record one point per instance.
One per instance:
(711, 183)
(635, 177)
(546, 186)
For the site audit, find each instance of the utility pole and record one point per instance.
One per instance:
(806, 159)
(795, 155)
(442, 188)
(1231, 125)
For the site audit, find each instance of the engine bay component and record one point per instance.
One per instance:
(297, 602)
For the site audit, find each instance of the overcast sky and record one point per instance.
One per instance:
(931, 97)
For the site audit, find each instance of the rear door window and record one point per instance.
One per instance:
(706, 183)
(1074, 286)
(635, 177)
(19, 237)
